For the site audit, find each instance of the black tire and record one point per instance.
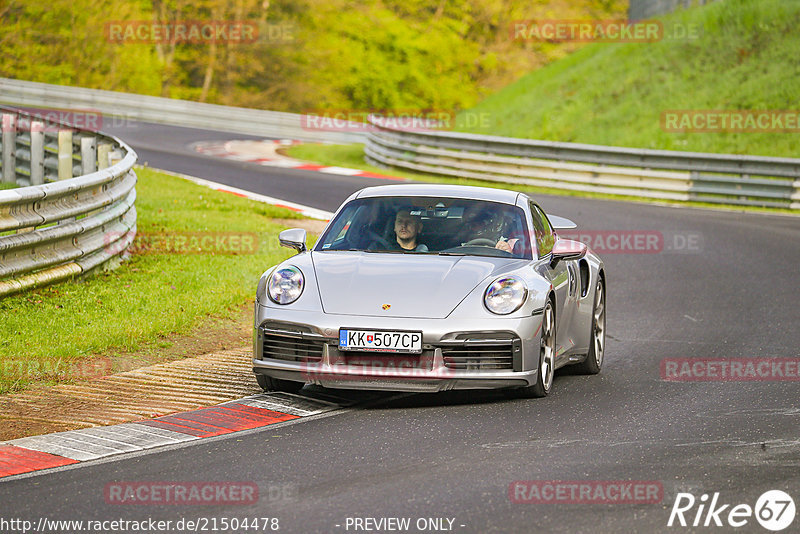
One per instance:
(269, 383)
(594, 359)
(547, 358)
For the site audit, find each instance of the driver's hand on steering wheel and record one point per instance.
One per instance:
(503, 245)
(506, 245)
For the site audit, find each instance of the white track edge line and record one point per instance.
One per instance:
(308, 211)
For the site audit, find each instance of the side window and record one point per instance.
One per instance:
(544, 233)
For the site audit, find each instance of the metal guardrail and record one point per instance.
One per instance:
(173, 111)
(56, 226)
(657, 174)
(669, 175)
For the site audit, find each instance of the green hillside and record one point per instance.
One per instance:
(747, 57)
(305, 55)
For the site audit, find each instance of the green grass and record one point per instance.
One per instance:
(614, 94)
(7, 186)
(47, 331)
(352, 156)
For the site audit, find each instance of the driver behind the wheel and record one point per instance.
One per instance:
(479, 224)
(406, 229)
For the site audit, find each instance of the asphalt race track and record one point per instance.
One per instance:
(720, 285)
(167, 147)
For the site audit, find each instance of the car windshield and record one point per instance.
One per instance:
(429, 225)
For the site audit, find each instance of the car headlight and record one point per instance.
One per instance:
(285, 285)
(505, 295)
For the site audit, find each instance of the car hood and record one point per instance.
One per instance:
(418, 286)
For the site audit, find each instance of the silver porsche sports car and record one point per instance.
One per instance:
(431, 288)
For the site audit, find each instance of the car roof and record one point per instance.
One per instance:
(441, 190)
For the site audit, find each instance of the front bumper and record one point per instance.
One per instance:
(457, 354)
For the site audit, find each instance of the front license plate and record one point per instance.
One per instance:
(380, 340)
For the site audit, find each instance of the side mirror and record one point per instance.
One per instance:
(561, 223)
(293, 238)
(567, 249)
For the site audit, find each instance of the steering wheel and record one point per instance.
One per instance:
(480, 242)
(375, 238)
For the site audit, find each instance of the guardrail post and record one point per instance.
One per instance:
(103, 155)
(37, 152)
(64, 154)
(34, 253)
(88, 155)
(9, 148)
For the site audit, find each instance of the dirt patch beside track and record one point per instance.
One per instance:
(210, 365)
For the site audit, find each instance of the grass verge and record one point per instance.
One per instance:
(736, 55)
(352, 156)
(165, 287)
